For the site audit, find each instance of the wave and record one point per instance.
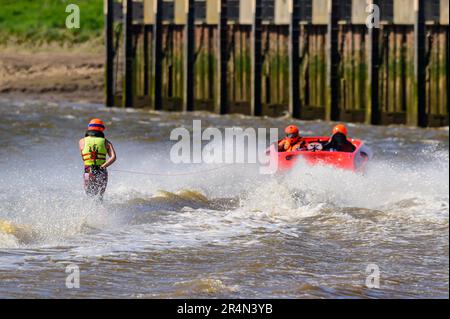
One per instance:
(48, 197)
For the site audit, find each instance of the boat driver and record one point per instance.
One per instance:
(338, 141)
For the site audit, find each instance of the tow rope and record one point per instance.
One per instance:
(167, 174)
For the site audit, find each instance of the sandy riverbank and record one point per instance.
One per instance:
(53, 73)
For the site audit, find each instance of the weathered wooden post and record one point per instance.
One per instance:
(157, 55)
(127, 100)
(333, 60)
(418, 116)
(222, 45)
(256, 57)
(148, 15)
(444, 21)
(146, 60)
(447, 68)
(373, 112)
(109, 41)
(189, 56)
(294, 56)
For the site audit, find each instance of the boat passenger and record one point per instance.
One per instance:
(293, 141)
(338, 141)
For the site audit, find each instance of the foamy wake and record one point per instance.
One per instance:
(49, 211)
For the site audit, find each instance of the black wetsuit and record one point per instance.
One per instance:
(339, 143)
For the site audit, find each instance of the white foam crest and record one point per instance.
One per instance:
(385, 186)
(8, 241)
(48, 207)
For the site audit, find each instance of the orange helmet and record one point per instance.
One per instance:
(96, 125)
(340, 128)
(292, 131)
(292, 134)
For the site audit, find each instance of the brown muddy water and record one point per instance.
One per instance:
(228, 232)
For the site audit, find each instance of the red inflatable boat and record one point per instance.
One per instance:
(314, 155)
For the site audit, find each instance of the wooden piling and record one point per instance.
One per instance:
(157, 53)
(383, 75)
(189, 56)
(128, 54)
(146, 61)
(447, 68)
(373, 112)
(109, 41)
(256, 59)
(222, 53)
(417, 115)
(294, 57)
(333, 60)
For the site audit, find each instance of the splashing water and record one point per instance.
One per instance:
(229, 232)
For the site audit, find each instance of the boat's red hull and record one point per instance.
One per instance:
(355, 161)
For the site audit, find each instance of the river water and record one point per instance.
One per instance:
(216, 231)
